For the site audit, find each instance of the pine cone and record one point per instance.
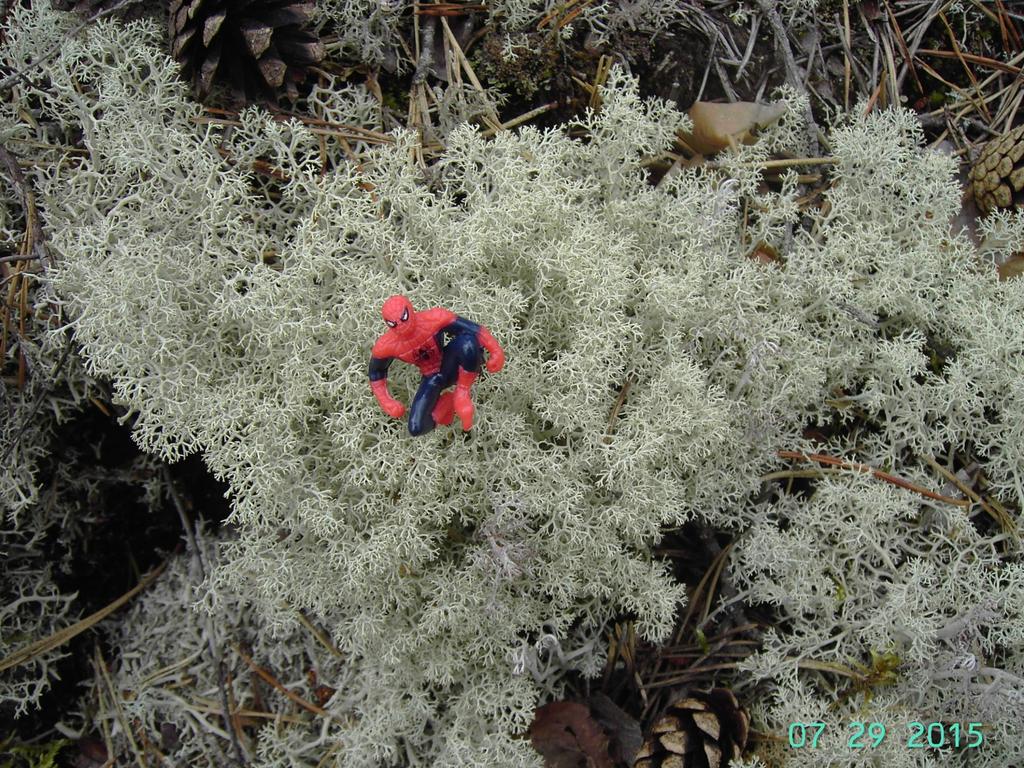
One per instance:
(997, 179)
(702, 730)
(255, 46)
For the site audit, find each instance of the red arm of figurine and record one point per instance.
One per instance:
(496, 354)
(388, 404)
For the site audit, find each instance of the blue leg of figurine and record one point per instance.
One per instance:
(462, 352)
(460, 366)
(420, 419)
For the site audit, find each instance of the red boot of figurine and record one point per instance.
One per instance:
(463, 398)
(444, 409)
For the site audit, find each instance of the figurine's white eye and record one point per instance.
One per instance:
(405, 315)
(391, 323)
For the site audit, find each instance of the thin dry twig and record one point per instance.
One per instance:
(37, 242)
(15, 259)
(115, 701)
(491, 118)
(108, 741)
(448, 9)
(847, 54)
(1008, 30)
(216, 657)
(892, 89)
(622, 644)
(526, 116)
(279, 686)
(62, 636)
(783, 163)
(320, 635)
(793, 77)
(614, 415)
(245, 714)
(687, 676)
(899, 481)
(704, 591)
(974, 105)
(970, 75)
(701, 599)
(425, 59)
(20, 74)
(964, 56)
(902, 43)
(571, 9)
(32, 247)
(1001, 517)
(315, 125)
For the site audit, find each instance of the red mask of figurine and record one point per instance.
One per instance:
(399, 314)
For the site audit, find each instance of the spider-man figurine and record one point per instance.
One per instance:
(418, 338)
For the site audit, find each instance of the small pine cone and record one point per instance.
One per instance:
(702, 730)
(997, 178)
(257, 47)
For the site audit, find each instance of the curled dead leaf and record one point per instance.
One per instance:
(1012, 267)
(567, 736)
(764, 253)
(622, 728)
(715, 126)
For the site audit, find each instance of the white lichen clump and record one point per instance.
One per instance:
(234, 313)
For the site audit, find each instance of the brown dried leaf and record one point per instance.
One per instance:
(1012, 267)
(623, 729)
(92, 753)
(567, 737)
(714, 125)
(764, 253)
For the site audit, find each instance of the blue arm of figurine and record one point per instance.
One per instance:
(379, 367)
(484, 338)
(462, 325)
